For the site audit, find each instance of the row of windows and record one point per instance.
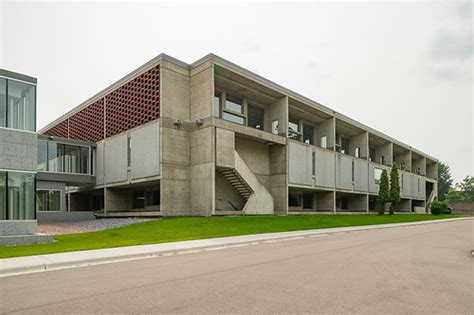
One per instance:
(48, 200)
(17, 195)
(64, 158)
(17, 105)
(233, 109)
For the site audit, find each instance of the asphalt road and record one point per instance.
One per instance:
(417, 269)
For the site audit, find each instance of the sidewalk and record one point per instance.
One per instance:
(30, 264)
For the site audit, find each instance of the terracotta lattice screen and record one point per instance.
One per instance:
(132, 104)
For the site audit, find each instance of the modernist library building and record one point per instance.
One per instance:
(200, 139)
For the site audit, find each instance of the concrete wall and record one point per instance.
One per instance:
(118, 199)
(386, 151)
(343, 171)
(145, 151)
(257, 157)
(300, 164)
(116, 151)
(202, 91)
(419, 163)
(225, 146)
(360, 141)
(361, 175)
(358, 203)
(432, 170)
(18, 150)
(203, 171)
(417, 187)
(278, 111)
(324, 201)
(403, 158)
(325, 168)
(226, 196)
(328, 129)
(405, 184)
(279, 178)
(403, 206)
(461, 207)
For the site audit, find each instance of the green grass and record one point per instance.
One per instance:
(180, 229)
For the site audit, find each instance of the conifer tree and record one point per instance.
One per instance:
(384, 194)
(394, 188)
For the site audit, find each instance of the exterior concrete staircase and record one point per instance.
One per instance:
(237, 182)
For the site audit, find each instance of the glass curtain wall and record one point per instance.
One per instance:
(3, 102)
(21, 99)
(63, 158)
(17, 196)
(48, 200)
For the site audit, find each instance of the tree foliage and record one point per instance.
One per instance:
(445, 180)
(394, 188)
(384, 194)
(463, 191)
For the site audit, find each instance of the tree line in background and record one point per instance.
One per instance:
(462, 191)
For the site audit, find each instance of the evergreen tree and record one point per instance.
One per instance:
(394, 188)
(445, 181)
(383, 192)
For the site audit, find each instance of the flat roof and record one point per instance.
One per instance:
(17, 76)
(223, 62)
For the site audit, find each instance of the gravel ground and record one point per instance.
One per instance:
(53, 228)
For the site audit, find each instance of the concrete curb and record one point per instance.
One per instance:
(31, 264)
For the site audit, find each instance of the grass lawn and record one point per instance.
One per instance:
(180, 229)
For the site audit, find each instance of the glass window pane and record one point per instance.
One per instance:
(42, 155)
(84, 160)
(3, 102)
(217, 105)
(255, 117)
(233, 118)
(3, 195)
(54, 200)
(308, 201)
(294, 200)
(53, 159)
(21, 196)
(308, 134)
(71, 159)
(234, 104)
(21, 105)
(41, 200)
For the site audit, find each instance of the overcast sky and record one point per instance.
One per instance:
(403, 68)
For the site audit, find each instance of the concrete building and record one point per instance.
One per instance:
(17, 158)
(213, 138)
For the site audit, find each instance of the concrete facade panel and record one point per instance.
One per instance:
(325, 168)
(300, 161)
(18, 150)
(116, 151)
(361, 175)
(343, 172)
(225, 146)
(145, 158)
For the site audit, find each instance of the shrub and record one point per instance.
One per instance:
(437, 206)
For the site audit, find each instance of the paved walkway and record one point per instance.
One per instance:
(29, 264)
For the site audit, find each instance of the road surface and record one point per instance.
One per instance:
(416, 269)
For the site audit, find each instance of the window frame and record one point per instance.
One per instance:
(61, 200)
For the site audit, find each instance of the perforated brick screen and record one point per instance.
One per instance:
(88, 124)
(60, 130)
(133, 104)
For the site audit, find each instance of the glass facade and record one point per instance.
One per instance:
(48, 200)
(17, 196)
(17, 105)
(64, 158)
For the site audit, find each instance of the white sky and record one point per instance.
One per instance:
(403, 68)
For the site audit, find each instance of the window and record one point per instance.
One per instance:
(314, 163)
(255, 117)
(357, 152)
(138, 199)
(71, 159)
(48, 200)
(308, 134)
(382, 159)
(293, 129)
(353, 170)
(233, 118)
(42, 155)
(275, 127)
(20, 196)
(152, 198)
(308, 201)
(3, 102)
(129, 151)
(53, 158)
(233, 104)
(324, 142)
(84, 160)
(21, 105)
(294, 200)
(217, 104)
(344, 145)
(3, 195)
(377, 175)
